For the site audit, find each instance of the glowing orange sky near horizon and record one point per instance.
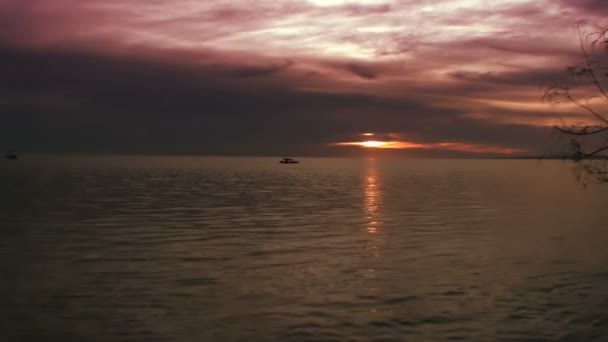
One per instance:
(448, 146)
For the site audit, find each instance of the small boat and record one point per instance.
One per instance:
(11, 155)
(288, 161)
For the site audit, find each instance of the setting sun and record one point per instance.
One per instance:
(378, 144)
(373, 143)
(447, 146)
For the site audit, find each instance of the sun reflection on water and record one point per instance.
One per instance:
(373, 224)
(372, 199)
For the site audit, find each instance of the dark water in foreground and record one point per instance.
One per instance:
(246, 249)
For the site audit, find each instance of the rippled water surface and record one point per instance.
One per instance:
(246, 249)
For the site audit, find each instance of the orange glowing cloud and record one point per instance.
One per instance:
(381, 144)
(448, 146)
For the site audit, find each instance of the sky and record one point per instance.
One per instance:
(287, 78)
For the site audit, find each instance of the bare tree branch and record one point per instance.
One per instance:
(591, 154)
(588, 62)
(583, 130)
(586, 146)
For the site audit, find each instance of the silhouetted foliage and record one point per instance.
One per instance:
(589, 139)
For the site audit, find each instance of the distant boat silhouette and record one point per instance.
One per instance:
(288, 161)
(11, 155)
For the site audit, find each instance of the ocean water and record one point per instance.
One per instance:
(128, 248)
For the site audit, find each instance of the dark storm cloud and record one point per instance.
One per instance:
(261, 71)
(125, 104)
(521, 78)
(361, 71)
(589, 8)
